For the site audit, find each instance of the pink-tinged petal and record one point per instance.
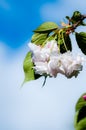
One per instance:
(84, 97)
(34, 47)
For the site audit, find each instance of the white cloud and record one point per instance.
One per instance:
(33, 107)
(55, 11)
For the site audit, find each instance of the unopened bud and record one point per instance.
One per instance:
(84, 97)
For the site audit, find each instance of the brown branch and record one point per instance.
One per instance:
(77, 23)
(72, 27)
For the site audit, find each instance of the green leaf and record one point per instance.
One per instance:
(75, 119)
(76, 17)
(81, 41)
(64, 43)
(81, 125)
(46, 27)
(81, 114)
(67, 17)
(39, 38)
(80, 103)
(28, 68)
(83, 23)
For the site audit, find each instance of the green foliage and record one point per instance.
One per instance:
(29, 71)
(41, 34)
(28, 68)
(39, 38)
(46, 27)
(81, 125)
(76, 17)
(80, 116)
(67, 17)
(80, 103)
(81, 41)
(64, 42)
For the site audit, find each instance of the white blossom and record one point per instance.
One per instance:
(51, 46)
(43, 53)
(71, 64)
(55, 66)
(41, 68)
(48, 60)
(34, 48)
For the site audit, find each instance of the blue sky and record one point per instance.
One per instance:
(33, 107)
(18, 19)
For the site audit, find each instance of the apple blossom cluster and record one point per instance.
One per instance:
(49, 61)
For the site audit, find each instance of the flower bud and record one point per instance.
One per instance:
(84, 97)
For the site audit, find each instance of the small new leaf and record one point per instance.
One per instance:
(46, 27)
(67, 17)
(76, 17)
(83, 23)
(39, 38)
(81, 41)
(28, 68)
